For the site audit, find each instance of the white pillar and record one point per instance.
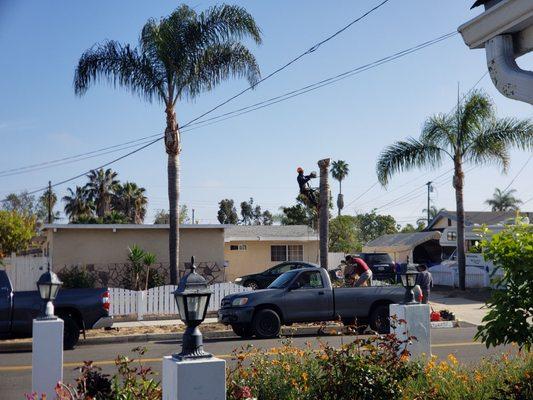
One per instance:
(201, 379)
(141, 304)
(417, 324)
(47, 356)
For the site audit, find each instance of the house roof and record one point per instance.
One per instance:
(269, 232)
(131, 226)
(401, 241)
(480, 217)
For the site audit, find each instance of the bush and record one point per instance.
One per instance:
(76, 277)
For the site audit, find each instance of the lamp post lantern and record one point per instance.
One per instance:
(192, 298)
(48, 286)
(409, 282)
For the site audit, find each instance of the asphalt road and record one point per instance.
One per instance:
(15, 367)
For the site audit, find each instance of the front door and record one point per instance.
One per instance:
(5, 303)
(311, 301)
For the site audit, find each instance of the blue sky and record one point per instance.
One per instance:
(256, 154)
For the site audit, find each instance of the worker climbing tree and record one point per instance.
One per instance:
(309, 193)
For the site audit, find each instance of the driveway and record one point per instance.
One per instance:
(470, 311)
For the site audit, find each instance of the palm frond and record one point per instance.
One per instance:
(405, 155)
(440, 130)
(476, 109)
(119, 65)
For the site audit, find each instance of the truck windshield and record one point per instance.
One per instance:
(283, 280)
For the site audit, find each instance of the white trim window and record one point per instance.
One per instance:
(238, 247)
(292, 252)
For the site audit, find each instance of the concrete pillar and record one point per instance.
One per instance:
(141, 304)
(417, 324)
(201, 379)
(47, 356)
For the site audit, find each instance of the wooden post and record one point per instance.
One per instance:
(324, 211)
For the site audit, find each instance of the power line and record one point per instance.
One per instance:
(518, 173)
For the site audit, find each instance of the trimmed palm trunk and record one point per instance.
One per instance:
(172, 146)
(458, 184)
(323, 212)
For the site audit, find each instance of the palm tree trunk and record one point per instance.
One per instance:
(458, 183)
(324, 211)
(172, 146)
(340, 192)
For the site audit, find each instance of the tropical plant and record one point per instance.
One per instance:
(339, 171)
(76, 277)
(101, 189)
(433, 212)
(130, 200)
(504, 200)
(78, 204)
(16, 232)
(22, 203)
(162, 216)
(47, 200)
(178, 57)
(472, 134)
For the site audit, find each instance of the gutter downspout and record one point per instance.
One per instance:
(507, 76)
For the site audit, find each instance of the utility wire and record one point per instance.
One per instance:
(518, 173)
(231, 114)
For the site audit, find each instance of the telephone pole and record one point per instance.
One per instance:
(193, 220)
(430, 189)
(49, 202)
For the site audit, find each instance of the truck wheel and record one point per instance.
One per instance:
(266, 324)
(71, 332)
(243, 331)
(251, 284)
(379, 319)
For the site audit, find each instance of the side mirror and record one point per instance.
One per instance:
(294, 286)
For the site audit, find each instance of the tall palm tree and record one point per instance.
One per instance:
(472, 134)
(177, 58)
(101, 188)
(130, 199)
(77, 203)
(433, 212)
(339, 171)
(504, 200)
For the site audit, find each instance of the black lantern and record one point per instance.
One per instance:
(192, 298)
(48, 286)
(409, 282)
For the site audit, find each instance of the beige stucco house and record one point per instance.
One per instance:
(252, 249)
(445, 219)
(221, 251)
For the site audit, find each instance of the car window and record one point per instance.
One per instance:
(379, 258)
(281, 269)
(283, 280)
(4, 281)
(310, 280)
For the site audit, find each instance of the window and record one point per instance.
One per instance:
(310, 280)
(451, 236)
(296, 252)
(281, 269)
(238, 247)
(278, 253)
(287, 253)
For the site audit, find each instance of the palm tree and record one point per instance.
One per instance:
(178, 57)
(473, 135)
(339, 171)
(504, 200)
(101, 188)
(77, 204)
(130, 200)
(433, 212)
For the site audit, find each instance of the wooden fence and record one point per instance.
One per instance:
(24, 271)
(160, 301)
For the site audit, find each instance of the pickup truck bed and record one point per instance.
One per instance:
(306, 295)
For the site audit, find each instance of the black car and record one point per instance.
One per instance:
(263, 279)
(381, 264)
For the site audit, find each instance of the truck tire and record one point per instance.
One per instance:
(243, 331)
(71, 332)
(379, 319)
(251, 284)
(266, 324)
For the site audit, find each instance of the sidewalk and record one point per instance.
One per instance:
(464, 309)
(165, 322)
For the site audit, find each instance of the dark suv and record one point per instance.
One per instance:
(381, 264)
(262, 279)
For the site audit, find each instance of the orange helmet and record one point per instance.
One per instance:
(299, 169)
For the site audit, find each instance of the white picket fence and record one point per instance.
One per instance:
(160, 301)
(448, 276)
(24, 271)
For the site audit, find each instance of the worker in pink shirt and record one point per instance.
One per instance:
(359, 267)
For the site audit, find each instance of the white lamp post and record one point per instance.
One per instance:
(409, 282)
(48, 286)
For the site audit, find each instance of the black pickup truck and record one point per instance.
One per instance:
(306, 295)
(80, 309)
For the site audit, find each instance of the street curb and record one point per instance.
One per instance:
(287, 331)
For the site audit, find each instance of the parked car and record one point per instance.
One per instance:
(381, 264)
(261, 280)
(80, 309)
(306, 295)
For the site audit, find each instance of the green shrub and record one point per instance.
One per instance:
(76, 278)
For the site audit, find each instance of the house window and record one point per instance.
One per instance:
(238, 247)
(295, 252)
(278, 253)
(287, 253)
(451, 236)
